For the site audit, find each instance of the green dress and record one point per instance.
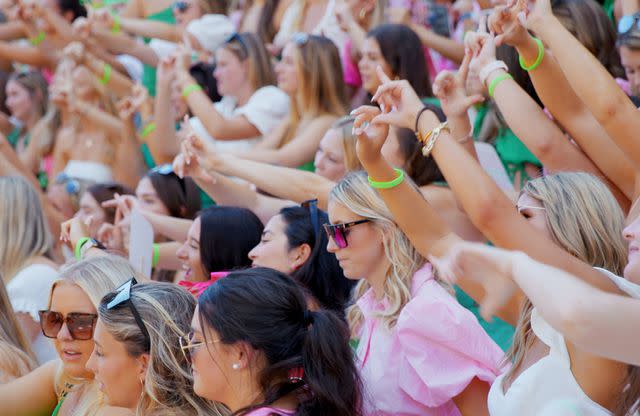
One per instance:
(149, 72)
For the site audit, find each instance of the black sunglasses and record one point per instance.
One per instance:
(235, 37)
(312, 206)
(124, 296)
(339, 232)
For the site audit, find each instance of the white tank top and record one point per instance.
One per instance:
(549, 380)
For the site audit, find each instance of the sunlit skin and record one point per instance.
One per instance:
(329, 160)
(232, 76)
(189, 254)
(148, 198)
(19, 101)
(119, 375)
(630, 59)
(632, 235)
(372, 58)
(92, 213)
(193, 11)
(286, 70)
(273, 250)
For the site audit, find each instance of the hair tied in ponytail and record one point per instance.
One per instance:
(308, 318)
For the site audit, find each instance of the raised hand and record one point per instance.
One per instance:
(507, 23)
(370, 136)
(344, 16)
(485, 55)
(81, 27)
(449, 87)
(75, 51)
(73, 230)
(101, 18)
(193, 152)
(540, 13)
(398, 101)
(489, 266)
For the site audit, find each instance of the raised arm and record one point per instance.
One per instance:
(163, 142)
(590, 80)
(560, 99)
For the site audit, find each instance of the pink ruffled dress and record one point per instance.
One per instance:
(434, 351)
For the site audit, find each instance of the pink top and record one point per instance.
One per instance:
(196, 288)
(435, 350)
(268, 411)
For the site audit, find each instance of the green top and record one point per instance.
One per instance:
(309, 166)
(499, 331)
(149, 72)
(512, 152)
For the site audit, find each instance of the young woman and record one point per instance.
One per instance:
(16, 358)
(130, 372)
(302, 365)
(442, 365)
(92, 212)
(65, 386)
(293, 243)
(544, 221)
(26, 264)
(310, 74)
(219, 241)
(251, 106)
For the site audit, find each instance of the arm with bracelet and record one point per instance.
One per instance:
(109, 76)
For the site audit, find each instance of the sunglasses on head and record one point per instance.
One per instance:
(235, 37)
(312, 206)
(79, 325)
(300, 38)
(72, 186)
(627, 23)
(339, 232)
(124, 296)
(187, 346)
(167, 170)
(180, 6)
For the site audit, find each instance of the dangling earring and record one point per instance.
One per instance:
(362, 14)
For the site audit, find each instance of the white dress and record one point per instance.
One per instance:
(267, 107)
(29, 292)
(548, 387)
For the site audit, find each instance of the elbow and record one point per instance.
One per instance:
(484, 213)
(573, 321)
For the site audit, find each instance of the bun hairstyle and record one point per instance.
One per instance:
(303, 350)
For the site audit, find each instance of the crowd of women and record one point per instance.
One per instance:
(331, 187)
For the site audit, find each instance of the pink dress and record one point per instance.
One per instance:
(435, 350)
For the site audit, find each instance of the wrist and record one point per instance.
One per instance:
(493, 75)
(428, 121)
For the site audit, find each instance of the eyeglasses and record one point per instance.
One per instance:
(339, 232)
(235, 37)
(124, 296)
(187, 345)
(627, 23)
(72, 186)
(79, 325)
(312, 206)
(180, 6)
(300, 38)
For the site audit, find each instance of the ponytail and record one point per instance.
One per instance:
(329, 368)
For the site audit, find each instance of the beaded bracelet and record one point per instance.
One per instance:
(389, 184)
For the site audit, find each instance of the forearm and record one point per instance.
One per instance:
(629, 7)
(447, 47)
(173, 228)
(462, 132)
(26, 55)
(129, 166)
(151, 29)
(112, 125)
(168, 256)
(12, 30)
(122, 44)
(117, 83)
(569, 111)
(595, 86)
(286, 183)
(163, 143)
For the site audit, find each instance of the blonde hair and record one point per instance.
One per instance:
(584, 219)
(24, 229)
(354, 192)
(96, 276)
(166, 311)
(345, 126)
(320, 82)
(16, 357)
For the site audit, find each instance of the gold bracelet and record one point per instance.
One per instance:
(430, 139)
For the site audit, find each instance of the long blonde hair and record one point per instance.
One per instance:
(345, 126)
(320, 82)
(96, 276)
(166, 311)
(24, 229)
(584, 219)
(354, 192)
(15, 351)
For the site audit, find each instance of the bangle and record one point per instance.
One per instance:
(189, 89)
(106, 74)
(489, 68)
(116, 24)
(148, 129)
(497, 80)
(431, 138)
(425, 108)
(538, 59)
(78, 250)
(390, 184)
(38, 39)
(156, 255)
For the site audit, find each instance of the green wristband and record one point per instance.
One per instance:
(38, 39)
(156, 255)
(116, 24)
(78, 250)
(148, 129)
(189, 89)
(497, 80)
(106, 74)
(390, 184)
(539, 58)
